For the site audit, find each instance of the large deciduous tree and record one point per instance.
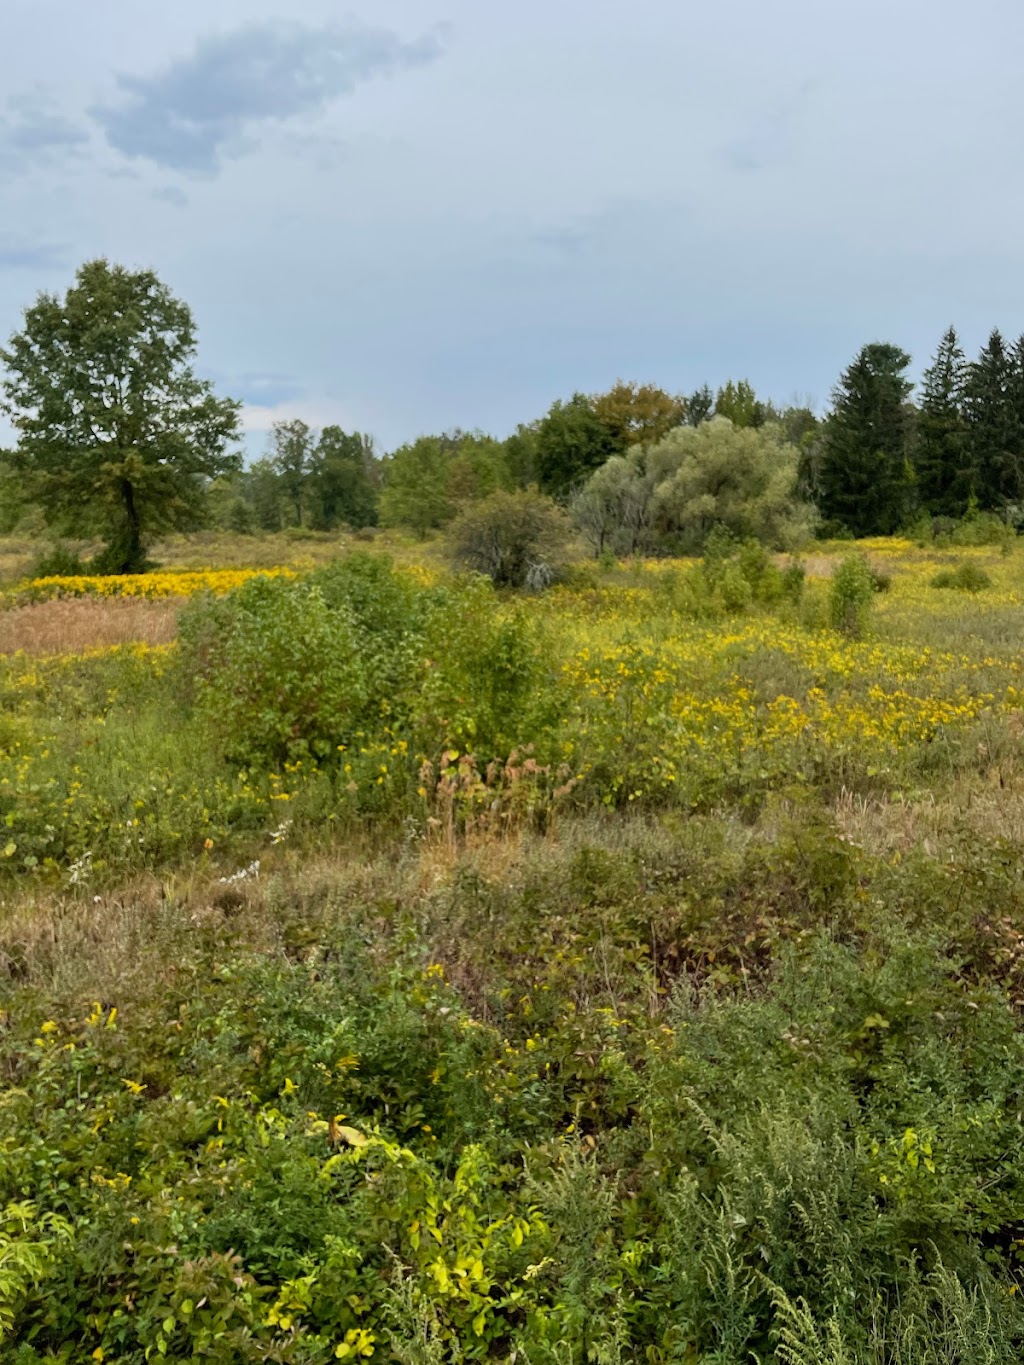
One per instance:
(639, 414)
(342, 480)
(742, 479)
(865, 476)
(613, 509)
(113, 423)
(291, 444)
(415, 492)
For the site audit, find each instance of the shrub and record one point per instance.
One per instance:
(486, 687)
(275, 670)
(59, 561)
(966, 577)
(739, 573)
(850, 594)
(983, 528)
(518, 540)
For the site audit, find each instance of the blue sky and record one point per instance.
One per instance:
(403, 217)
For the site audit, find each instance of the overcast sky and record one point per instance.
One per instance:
(408, 216)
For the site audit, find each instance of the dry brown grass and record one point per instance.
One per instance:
(76, 624)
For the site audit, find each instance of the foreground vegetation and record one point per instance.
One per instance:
(395, 969)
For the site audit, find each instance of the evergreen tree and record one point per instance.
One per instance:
(945, 480)
(740, 404)
(699, 406)
(995, 425)
(865, 476)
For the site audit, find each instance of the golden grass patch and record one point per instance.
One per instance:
(75, 625)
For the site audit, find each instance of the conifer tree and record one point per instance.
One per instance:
(865, 477)
(944, 476)
(995, 429)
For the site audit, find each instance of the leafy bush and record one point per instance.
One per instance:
(966, 577)
(58, 562)
(516, 539)
(850, 595)
(740, 573)
(275, 670)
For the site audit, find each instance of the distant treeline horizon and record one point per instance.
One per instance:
(118, 437)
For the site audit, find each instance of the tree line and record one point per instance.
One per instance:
(119, 438)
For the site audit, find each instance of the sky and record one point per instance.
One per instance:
(404, 217)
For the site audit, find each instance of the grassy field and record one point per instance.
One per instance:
(397, 971)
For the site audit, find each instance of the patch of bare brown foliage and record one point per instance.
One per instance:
(77, 624)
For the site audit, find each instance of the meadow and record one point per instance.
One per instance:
(397, 969)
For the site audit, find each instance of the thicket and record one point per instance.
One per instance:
(667, 1092)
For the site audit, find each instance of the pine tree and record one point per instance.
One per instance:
(865, 476)
(995, 429)
(944, 477)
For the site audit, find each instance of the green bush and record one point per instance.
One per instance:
(58, 562)
(850, 595)
(966, 577)
(518, 540)
(740, 573)
(275, 671)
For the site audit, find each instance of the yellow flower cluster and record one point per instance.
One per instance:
(182, 583)
(673, 704)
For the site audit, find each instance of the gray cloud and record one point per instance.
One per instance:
(768, 139)
(171, 194)
(199, 109)
(23, 255)
(570, 242)
(34, 133)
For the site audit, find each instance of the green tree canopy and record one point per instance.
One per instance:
(945, 481)
(342, 480)
(112, 420)
(415, 491)
(740, 404)
(718, 475)
(292, 456)
(429, 479)
(865, 477)
(572, 441)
